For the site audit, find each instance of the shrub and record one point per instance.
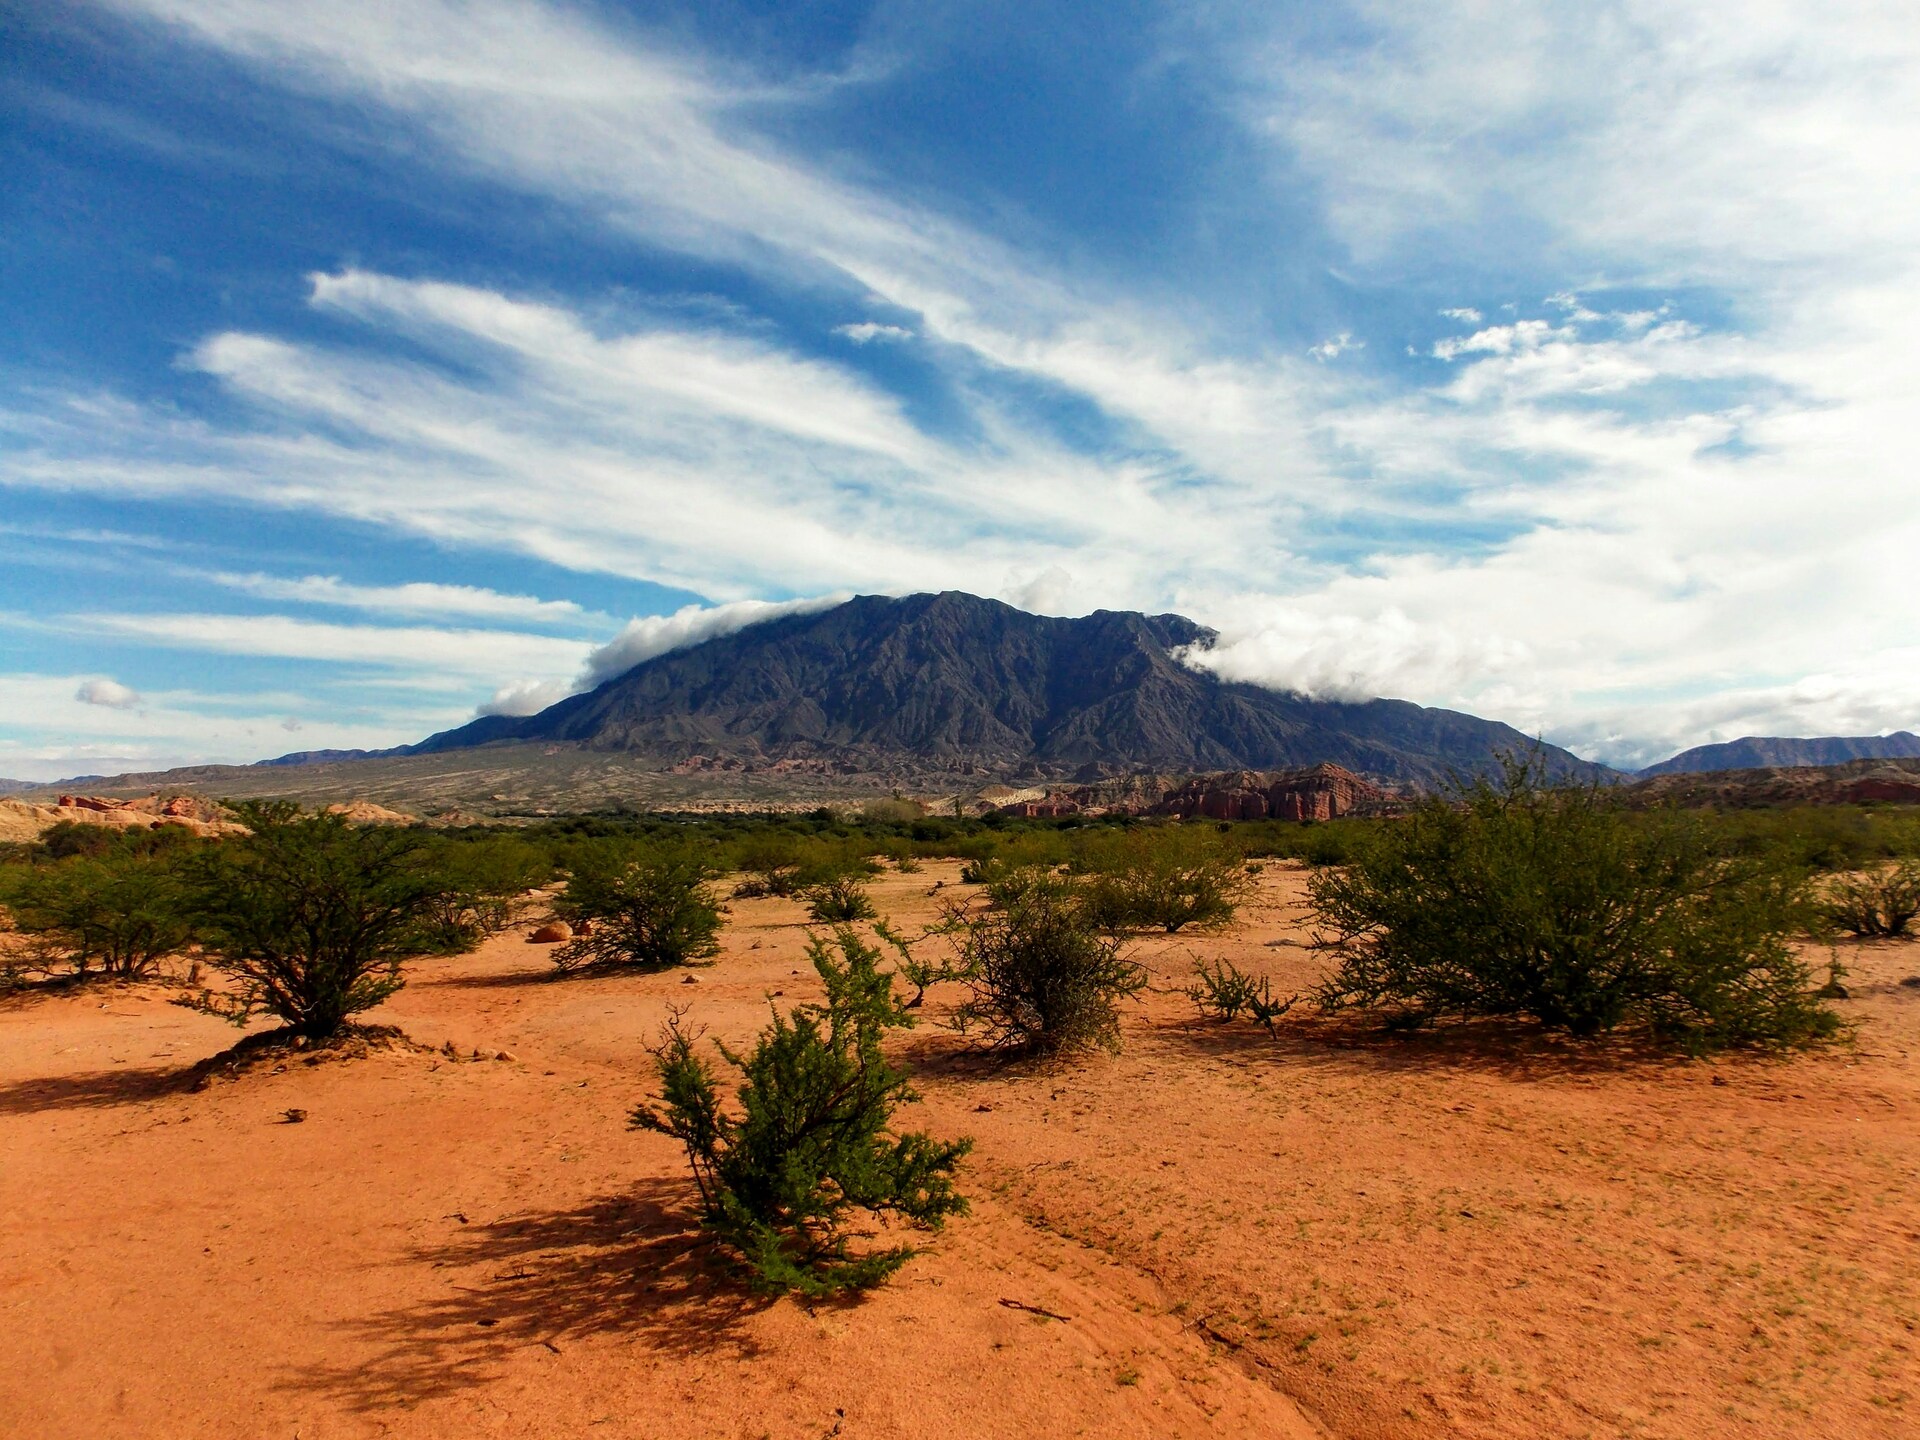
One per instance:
(1165, 878)
(479, 885)
(771, 867)
(1045, 979)
(811, 1140)
(650, 912)
(309, 915)
(119, 913)
(1226, 992)
(1878, 903)
(1558, 905)
(839, 901)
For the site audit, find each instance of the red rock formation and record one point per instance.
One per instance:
(1898, 792)
(1324, 792)
(91, 802)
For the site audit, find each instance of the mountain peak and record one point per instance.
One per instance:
(952, 681)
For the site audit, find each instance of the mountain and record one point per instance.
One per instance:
(1756, 752)
(955, 683)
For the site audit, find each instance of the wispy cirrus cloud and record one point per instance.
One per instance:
(1639, 474)
(417, 597)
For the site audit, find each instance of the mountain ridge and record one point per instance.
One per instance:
(955, 682)
(1761, 752)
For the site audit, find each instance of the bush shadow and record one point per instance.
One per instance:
(632, 1264)
(91, 1089)
(497, 980)
(1511, 1049)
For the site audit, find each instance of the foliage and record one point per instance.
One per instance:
(309, 915)
(1879, 902)
(1165, 878)
(66, 839)
(839, 901)
(649, 911)
(1226, 992)
(120, 913)
(1045, 979)
(812, 1139)
(1518, 899)
(479, 885)
(772, 867)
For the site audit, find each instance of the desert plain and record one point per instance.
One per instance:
(1327, 1232)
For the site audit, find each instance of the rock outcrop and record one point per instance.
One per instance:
(1317, 792)
(22, 820)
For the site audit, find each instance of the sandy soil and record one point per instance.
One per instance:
(1328, 1234)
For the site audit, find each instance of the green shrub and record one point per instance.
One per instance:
(812, 1139)
(479, 888)
(1558, 905)
(771, 866)
(650, 911)
(1165, 878)
(1226, 992)
(1045, 979)
(839, 901)
(120, 914)
(309, 915)
(1880, 902)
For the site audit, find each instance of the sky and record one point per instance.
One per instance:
(369, 365)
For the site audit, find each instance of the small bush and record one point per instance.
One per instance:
(1879, 903)
(309, 915)
(812, 1139)
(1226, 992)
(1559, 905)
(120, 914)
(772, 867)
(648, 912)
(479, 889)
(1045, 979)
(839, 901)
(1165, 879)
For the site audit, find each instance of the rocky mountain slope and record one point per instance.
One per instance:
(1858, 782)
(1757, 752)
(958, 684)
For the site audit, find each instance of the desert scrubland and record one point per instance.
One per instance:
(1326, 1231)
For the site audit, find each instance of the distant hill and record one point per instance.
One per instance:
(9, 787)
(1857, 782)
(1758, 752)
(331, 757)
(955, 683)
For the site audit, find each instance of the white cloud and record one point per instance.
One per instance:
(1336, 347)
(110, 693)
(1595, 516)
(641, 640)
(54, 733)
(414, 598)
(526, 697)
(870, 330)
(476, 653)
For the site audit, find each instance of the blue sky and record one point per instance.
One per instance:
(367, 365)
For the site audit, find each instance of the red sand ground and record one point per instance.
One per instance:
(1327, 1234)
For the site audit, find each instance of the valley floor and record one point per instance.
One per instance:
(1214, 1233)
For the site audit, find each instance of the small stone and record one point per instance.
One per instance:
(503, 1055)
(294, 1117)
(690, 980)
